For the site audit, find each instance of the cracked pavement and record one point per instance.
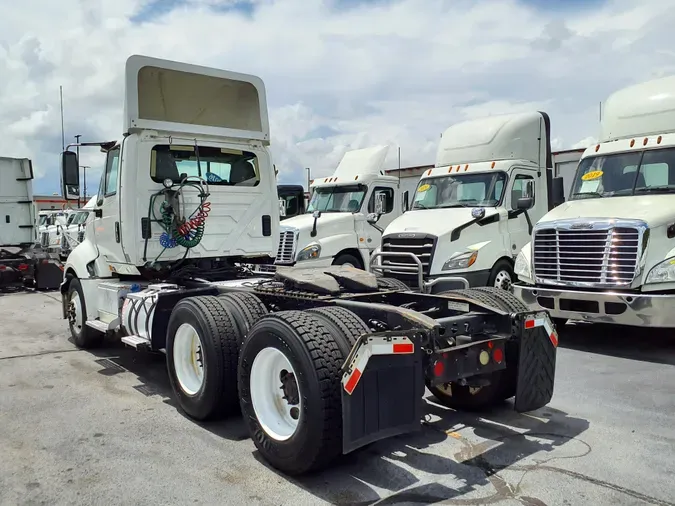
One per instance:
(82, 427)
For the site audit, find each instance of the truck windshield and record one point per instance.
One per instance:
(337, 199)
(462, 190)
(620, 174)
(219, 166)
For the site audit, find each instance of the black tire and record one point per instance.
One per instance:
(514, 304)
(501, 266)
(84, 337)
(246, 309)
(482, 297)
(220, 340)
(392, 284)
(343, 325)
(346, 258)
(316, 358)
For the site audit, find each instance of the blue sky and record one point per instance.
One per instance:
(340, 75)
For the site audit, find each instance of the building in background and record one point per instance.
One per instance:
(49, 202)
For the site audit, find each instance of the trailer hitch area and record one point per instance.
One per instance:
(382, 388)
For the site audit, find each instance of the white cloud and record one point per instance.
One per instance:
(337, 78)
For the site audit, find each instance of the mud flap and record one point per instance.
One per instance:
(382, 390)
(48, 274)
(536, 363)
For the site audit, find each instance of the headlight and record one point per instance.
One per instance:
(522, 266)
(663, 272)
(461, 261)
(311, 252)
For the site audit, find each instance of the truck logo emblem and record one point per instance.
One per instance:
(576, 226)
(407, 236)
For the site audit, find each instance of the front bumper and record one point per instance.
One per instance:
(601, 307)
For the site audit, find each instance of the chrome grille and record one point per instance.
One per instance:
(286, 249)
(599, 256)
(421, 246)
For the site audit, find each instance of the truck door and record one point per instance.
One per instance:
(519, 230)
(17, 218)
(390, 212)
(107, 226)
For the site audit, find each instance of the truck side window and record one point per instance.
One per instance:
(111, 169)
(389, 200)
(518, 188)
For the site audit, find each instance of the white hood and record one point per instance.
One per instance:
(433, 221)
(655, 210)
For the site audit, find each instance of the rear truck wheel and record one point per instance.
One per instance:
(202, 349)
(502, 275)
(245, 308)
(289, 389)
(392, 284)
(76, 312)
(348, 260)
(343, 325)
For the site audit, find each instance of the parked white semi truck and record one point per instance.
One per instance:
(608, 254)
(319, 361)
(475, 210)
(336, 228)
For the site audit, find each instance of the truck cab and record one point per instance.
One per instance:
(473, 212)
(292, 200)
(336, 228)
(608, 254)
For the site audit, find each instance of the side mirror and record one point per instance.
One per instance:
(282, 207)
(404, 201)
(525, 203)
(372, 218)
(70, 176)
(557, 191)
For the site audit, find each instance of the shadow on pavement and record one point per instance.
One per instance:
(635, 343)
(435, 464)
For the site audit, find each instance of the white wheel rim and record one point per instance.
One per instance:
(503, 280)
(188, 359)
(76, 308)
(277, 416)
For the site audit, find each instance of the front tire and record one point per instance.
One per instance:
(348, 260)
(76, 312)
(202, 350)
(502, 275)
(289, 389)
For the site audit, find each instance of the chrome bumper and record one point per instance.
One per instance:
(601, 307)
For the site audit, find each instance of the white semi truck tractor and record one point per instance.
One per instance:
(319, 361)
(346, 214)
(475, 210)
(608, 254)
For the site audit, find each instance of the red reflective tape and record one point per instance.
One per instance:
(404, 348)
(529, 324)
(554, 339)
(353, 381)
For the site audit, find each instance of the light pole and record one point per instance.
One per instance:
(84, 173)
(77, 151)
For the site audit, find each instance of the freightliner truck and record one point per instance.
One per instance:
(475, 210)
(319, 361)
(608, 254)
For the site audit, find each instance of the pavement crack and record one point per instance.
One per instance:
(38, 354)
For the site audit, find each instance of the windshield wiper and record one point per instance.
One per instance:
(450, 206)
(649, 189)
(594, 194)
(418, 205)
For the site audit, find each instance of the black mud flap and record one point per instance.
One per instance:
(382, 394)
(48, 274)
(536, 365)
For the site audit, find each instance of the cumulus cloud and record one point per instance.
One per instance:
(339, 74)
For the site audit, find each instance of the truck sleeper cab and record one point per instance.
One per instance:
(475, 209)
(607, 255)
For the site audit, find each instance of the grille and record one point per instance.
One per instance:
(286, 247)
(605, 257)
(421, 247)
(80, 236)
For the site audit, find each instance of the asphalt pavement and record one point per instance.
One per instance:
(100, 427)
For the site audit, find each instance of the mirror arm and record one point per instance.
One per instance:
(529, 221)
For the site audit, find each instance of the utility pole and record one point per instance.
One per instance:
(77, 150)
(309, 178)
(84, 173)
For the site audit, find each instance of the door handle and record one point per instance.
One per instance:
(117, 231)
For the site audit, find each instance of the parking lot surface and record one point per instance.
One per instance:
(100, 427)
